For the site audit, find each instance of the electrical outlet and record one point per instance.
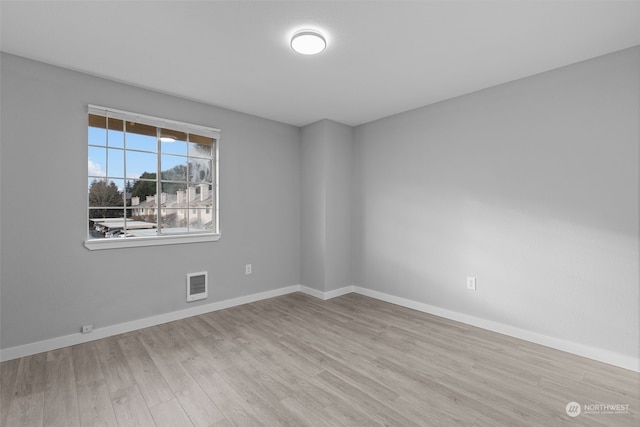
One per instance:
(471, 283)
(87, 329)
(247, 269)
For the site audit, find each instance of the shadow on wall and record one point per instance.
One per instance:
(532, 270)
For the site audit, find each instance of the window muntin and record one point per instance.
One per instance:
(150, 177)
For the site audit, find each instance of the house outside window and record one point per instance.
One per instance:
(150, 180)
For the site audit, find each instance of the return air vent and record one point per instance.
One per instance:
(197, 287)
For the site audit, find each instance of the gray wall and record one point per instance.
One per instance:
(327, 158)
(313, 223)
(530, 186)
(51, 284)
(339, 198)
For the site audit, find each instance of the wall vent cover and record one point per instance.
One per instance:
(197, 286)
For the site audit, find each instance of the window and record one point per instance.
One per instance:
(150, 180)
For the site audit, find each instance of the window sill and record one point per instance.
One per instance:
(135, 242)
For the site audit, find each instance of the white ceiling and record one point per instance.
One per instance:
(382, 57)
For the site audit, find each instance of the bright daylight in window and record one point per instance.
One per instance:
(151, 180)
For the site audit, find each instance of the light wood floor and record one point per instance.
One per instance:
(296, 360)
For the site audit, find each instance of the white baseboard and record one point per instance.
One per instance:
(601, 355)
(121, 328)
(313, 292)
(598, 354)
(108, 331)
(326, 295)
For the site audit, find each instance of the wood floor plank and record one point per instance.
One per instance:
(359, 373)
(86, 364)
(232, 405)
(95, 406)
(130, 408)
(221, 353)
(8, 375)
(585, 393)
(425, 398)
(61, 398)
(192, 328)
(148, 378)
(169, 340)
(170, 414)
(501, 405)
(263, 376)
(310, 416)
(94, 403)
(114, 366)
(429, 412)
(167, 362)
(297, 360)
(285, 379)
(380, 412)
(619, 381)
(26, 411)
(286, 356)
(32, 375)
(264, 403)
(200, 409)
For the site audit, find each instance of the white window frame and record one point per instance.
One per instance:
(165, 239)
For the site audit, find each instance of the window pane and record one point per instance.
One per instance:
(115, 163)
(200, 146)
(106, 193)
(200, 170)
(212, 196)
(144, 212)
(105, 223)
(138, 226)
(141, 165)
(96, 230)
(97, 162)
(142, 192)
(115, 139)
(131, 190)
(115, 134)
(111, 223)
(199, 195)
(175, 194)
(119, 184)
(97, 121)
(174, 168)
(97, 136)
(106, 214)
(128, 189)
(197, 150)
(174, 220)
(200, 220)
(136, 141)
(144, 209)
(176, 146)
(141, 129)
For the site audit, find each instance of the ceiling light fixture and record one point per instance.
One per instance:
(308, 42)
(167, 138)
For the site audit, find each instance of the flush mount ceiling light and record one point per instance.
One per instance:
(308, 42)
(167, 138)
